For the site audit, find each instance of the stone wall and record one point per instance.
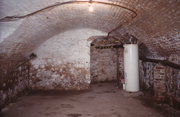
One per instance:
(167, 85)
(13, 80)
(146, 75)
(163, 81)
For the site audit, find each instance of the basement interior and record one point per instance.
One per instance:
(90, 58)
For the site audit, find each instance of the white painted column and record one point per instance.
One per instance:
(131, 68)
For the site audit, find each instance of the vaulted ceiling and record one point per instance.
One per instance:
(26, 24)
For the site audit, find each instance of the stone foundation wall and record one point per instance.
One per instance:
(13, 80)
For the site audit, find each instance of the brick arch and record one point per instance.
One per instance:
(156, 25)
(41, 26)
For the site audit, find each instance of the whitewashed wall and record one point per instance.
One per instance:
(63, 62)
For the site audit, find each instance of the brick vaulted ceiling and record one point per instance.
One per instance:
(25, 24)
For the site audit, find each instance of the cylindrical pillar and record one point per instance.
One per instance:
(131, 68)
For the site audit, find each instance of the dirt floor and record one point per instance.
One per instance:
(102, 100)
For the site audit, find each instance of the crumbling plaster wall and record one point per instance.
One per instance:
(63, 62)
(14, 80)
